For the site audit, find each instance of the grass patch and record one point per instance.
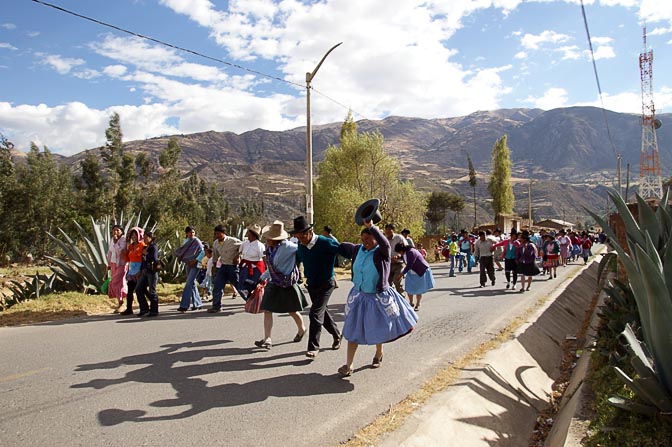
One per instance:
(59, 306)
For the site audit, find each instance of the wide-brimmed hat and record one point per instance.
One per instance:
(301, 225)
(368, 211)
(275, 232)
(256, 229)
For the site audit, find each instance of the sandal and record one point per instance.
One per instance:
(311, 354)
(416, 308)
(345, 371)
(299, 336)
(377, 361)
(263, 344)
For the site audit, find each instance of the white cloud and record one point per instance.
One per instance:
(535, 41)
(8, 26)
(571, 52)
(62, 65)
(653, 11)
(86, 73)
(520, 55)
(659, 31)
(115, 71)
(33, 33)
(552, 98)
(7, 46)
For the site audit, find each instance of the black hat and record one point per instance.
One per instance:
(405, 231)
(300, 225)
(368, 211)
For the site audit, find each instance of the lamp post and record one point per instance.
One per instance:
(309, 141)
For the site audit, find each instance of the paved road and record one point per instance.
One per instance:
(197, 378)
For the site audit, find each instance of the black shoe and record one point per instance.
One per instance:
(152, 314)
(214, 310)
(493, 282)
(196, 308)
(127, 312)
(143, 313)
(182, 309)
(337, 342)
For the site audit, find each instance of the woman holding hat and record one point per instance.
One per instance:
(190, 253)
(282, 294)
(375, 313)
(251, 261)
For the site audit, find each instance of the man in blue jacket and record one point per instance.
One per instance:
(318, 255)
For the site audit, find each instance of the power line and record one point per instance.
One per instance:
(160, 42)
(186, 50)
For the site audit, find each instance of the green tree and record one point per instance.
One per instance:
(438, 204)
(500, 180)
(91, 186)
(357, 170)
(10, 208)
(46, 192)
(472, 181)
(126, 192)
(113, 153)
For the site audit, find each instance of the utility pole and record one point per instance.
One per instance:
(529, 205)
(309, 141)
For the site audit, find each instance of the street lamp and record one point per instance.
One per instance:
(309, 141)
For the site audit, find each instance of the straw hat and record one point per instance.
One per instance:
(256, 229)
(275, 231)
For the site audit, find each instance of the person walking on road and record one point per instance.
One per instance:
(510, 253)
(190, 253)
(397, 263)
(419, 278)
(117, 288)
(318, 255)
(148, 277)
(526, 260)
(282, 294)
(375, 313)
(251, 261)
(484, 248)
(551, 249)
(225, 250)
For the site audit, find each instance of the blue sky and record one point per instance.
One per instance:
(62, 77)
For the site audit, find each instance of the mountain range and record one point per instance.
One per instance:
(562, 159)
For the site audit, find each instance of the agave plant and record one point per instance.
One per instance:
(27, 290)
(649, 243)
(173, 269)
(84, 265)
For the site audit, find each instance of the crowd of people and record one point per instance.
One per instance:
(524, 254)
(385, 266)
(376, 311)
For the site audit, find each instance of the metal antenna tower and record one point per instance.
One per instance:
(650, 182)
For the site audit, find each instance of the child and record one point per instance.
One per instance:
(204, 276)
(453, 250)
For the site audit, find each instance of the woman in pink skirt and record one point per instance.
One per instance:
(117, 289)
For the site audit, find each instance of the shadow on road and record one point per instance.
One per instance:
(514, 399)
(167, 366)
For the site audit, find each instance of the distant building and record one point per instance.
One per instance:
(555, 224)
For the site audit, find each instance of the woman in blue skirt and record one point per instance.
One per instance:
(419, 278)
(375, 313)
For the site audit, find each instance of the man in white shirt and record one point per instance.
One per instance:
(484, 248)
(225, 249)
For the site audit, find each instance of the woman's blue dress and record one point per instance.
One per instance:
(373, 317)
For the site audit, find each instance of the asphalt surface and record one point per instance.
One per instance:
(197, 378)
